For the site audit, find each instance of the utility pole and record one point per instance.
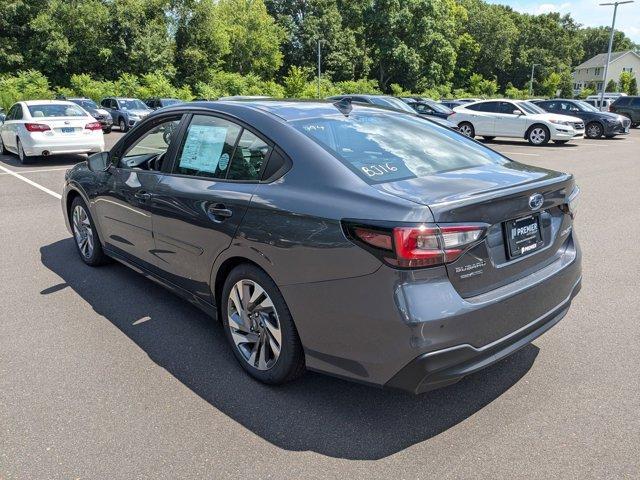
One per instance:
(319, 40)
(533, 66)
(613, 26)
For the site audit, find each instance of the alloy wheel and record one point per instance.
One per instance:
(594, 130)
(254, 324)
(21, 154)
(123, 125)
(466, 130)
(538, 136)
(82, 231)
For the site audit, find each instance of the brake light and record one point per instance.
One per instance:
(36, 127)
(418, 246)
(93, 126)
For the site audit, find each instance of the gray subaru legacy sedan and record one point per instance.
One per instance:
(361, 242)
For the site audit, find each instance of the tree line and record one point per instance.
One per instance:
(210, 48)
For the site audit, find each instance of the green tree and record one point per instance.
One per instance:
(478, 85)
(633, 87)
(201, 42)
(595, 40)
(295, 81)
(612, 86)
(70, 36)
(16, 33)
(254, 37)
(566, 84)
(23, 85)
(625, 82)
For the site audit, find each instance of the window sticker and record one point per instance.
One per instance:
(203, 147)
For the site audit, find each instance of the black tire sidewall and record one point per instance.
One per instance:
(290, 363)
(473, 130)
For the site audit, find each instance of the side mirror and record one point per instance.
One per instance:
(517, 112)
(99, 162)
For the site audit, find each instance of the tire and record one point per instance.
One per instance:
(3, 150)
(124, 126)
(84, 228)
(106, 130)
(560, 142)
(538, 135)
(489, 139)
(23, 157)
(252, 346)
(467, 129)
(593, 130)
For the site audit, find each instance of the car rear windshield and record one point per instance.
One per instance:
(386, 147)
(55, 110)
(90, 104)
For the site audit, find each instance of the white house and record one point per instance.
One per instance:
(593, 69)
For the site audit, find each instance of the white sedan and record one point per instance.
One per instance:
(516, 119)
(48, 127)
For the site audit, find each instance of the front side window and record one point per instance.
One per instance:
(208, 147)
(569, 107)
(131, 104)
(386, 147)
(147, 152)
(529, 107)
(508, 108)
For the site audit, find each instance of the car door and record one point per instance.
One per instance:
(11, 125)
(482, 116)
(508, 123)
(200, 204)
(571, 109)
(124, 203)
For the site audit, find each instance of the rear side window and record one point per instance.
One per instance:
(622, 101)
(208, 147)
(55, 110)
(484, 107)
(248, 158)
(385, 147)
(636, 102)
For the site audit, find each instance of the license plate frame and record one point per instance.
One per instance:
(523, 235)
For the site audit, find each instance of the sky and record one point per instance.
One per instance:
(586, 12)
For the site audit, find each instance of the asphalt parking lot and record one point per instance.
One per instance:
(103, 374)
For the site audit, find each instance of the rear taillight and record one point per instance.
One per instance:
(93, 126)
(425, 245)
(36, 127)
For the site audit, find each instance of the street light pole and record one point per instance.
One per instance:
(531, 81)
(319, 68)
(613, 26)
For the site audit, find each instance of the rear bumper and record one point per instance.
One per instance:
(444, 367)
(56, 146)
(372, 328)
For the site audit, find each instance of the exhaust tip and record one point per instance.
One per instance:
(45, 153)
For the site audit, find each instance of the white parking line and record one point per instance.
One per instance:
(37, 171)
(520, 153)
(31, 182)
(596, 144)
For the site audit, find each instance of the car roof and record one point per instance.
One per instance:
(47, 102)
(287, 110)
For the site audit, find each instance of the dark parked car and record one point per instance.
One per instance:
(156, 103)
(394, 103)
(100, 114)
(428, 107)
(126, 112)
(597, 124)
(451, 103)
(629, 107)
(352, 240)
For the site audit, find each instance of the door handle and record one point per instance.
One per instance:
(142, 195)
(219, 212)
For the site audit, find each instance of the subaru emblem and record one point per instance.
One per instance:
(535, 201)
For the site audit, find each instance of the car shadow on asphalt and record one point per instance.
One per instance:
(317, 413)
(41, 162)
(524, 143)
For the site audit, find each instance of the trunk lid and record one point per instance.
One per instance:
(495, 195)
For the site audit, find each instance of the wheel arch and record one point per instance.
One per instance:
(534, 125)
(220, 274)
